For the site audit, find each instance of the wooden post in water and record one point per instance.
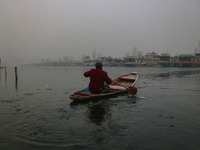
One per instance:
(0, 73)
(0, 69)
(16, 78)
(5, 74)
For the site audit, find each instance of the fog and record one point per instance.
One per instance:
(31, 30)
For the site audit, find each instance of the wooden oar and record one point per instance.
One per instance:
(131, 89)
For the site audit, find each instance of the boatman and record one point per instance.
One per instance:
(97, 78)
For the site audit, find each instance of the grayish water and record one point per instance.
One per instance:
(39, 114)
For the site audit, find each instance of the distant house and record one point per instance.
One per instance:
(129, 61)
(151, 59)
(166, 60)
(117, 62)
(87, 61)
(197, 53)
(187, 60)
(107, 61)
(139, 62)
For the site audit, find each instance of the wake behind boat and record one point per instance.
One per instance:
(118, 86)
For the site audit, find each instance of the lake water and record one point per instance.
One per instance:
(38, 114)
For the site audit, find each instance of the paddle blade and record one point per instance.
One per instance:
(132, 90)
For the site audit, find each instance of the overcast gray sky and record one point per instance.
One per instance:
(36, 29)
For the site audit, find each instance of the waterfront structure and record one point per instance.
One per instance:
(151, 59)
(87, 61)
(117, 62)
(106, 61)
(148, 60)
(197, 53)
(129, 61)
(182, 60)
(187, 60)
(140, 62)
(165, 60)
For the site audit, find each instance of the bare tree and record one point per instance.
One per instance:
(140, 54)
(83, 57)
(197, 49)
(135, 52)
(127, 54)
(94, 54)
(98, 56)
(199, 44)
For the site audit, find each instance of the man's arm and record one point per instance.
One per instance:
(108, 80)
(87, 73)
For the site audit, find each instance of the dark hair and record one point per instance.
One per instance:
(98, 65)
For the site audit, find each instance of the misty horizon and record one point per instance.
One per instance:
(52, 29)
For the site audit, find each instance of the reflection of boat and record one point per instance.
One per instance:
(115, 89)
(97, 113)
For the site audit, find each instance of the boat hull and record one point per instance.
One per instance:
(125, 80)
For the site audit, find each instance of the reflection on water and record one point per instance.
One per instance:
(16, 84)
(5, 74)
(97, 109)
(40, 114)
(173, 73)
(98, 112)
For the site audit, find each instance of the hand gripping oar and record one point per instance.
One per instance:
(131, 89)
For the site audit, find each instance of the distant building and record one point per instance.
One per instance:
(151, 59)
(182, 60)
(87, 61)
(187, 60)
(197, 53)
(129, 61)
(107, 61)
(117, 62)
(166, 61)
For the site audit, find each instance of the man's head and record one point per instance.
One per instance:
(98, 65)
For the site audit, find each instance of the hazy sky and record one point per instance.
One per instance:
(36, 29)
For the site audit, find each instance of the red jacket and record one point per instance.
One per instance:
(97, 78)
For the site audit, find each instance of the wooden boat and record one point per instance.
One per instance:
(126, 80)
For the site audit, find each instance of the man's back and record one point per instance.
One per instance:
(97, 78)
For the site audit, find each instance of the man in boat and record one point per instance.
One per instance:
(97, 78)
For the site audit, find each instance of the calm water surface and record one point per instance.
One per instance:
(38, 114)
